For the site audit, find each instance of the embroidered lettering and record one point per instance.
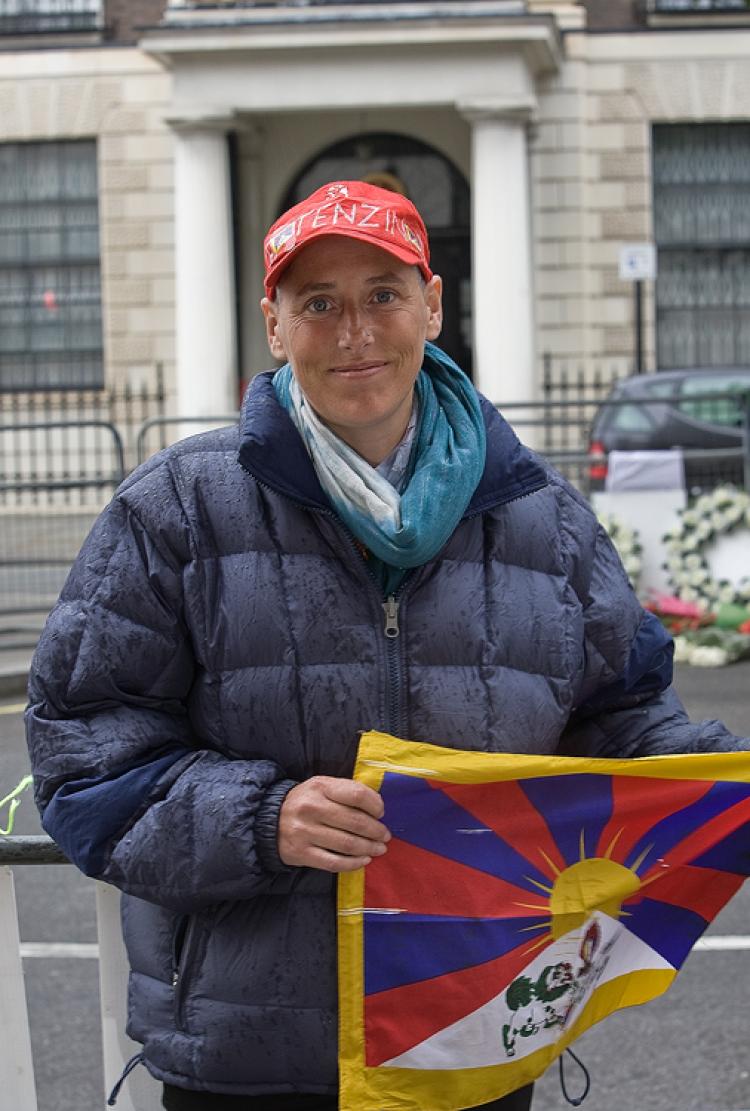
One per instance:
(348, 216)
(365, 220)
(321, 217)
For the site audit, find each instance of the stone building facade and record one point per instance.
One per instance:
(534, 123)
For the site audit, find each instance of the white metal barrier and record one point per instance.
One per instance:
(140, 1092)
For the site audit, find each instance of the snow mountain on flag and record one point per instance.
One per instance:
(521, 900)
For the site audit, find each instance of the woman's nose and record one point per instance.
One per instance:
(354, 329)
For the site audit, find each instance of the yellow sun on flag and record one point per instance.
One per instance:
(592, 883)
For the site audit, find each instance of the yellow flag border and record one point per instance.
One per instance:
(368, 1089)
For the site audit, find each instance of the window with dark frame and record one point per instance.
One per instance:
(50, 288)
(28, 17)
(701, 183)
(699, 5)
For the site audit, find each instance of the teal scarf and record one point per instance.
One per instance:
(408, 529)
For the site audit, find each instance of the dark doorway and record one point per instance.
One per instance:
(441, 194)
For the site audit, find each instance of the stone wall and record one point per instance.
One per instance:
(591, 164)
(125, 19)
(118, 97)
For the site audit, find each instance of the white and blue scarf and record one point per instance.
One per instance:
(406, 529)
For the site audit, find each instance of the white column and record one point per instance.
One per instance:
(140, 1092)
(207, 375)
(16, 1067)
(504, 366)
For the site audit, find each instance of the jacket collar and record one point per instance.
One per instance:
(273, 452)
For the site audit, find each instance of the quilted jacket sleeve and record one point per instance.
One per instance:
(627, 706)
(122, 783)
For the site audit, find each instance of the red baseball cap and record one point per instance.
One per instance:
(352, 208)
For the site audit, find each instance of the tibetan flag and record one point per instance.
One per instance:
(521, 900)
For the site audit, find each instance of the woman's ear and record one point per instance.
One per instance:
(270, 310)
(433, 295)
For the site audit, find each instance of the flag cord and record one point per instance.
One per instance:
(575, 1101)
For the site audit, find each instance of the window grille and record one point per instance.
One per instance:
(699, 5)
(50, 295)
(701, 178)
(23, 17)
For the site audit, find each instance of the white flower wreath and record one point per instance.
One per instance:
(627, 542)
(719, 513)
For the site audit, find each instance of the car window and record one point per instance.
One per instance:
(660, 389)
(630, 418)
(696, 402)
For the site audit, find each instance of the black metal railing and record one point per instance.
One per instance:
(571, 396)
(62, 456)
(26, 17)
(77, 450)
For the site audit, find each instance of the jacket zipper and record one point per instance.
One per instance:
(390, 608)
(396, 723)
(395, 716)
(181, 945)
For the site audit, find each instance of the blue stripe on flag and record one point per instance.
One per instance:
(425, 816)
(668, 833)
(409, 948)
(671, 931)
(569, 804)
(730, 855)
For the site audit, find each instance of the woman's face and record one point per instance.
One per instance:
(352, 321)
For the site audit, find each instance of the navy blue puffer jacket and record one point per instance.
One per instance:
(220, 638)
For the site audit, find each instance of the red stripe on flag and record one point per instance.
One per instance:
(419, 881)
(494, 804)
(640, 804)
(399, 1019)
(702, 890)
(706, 836)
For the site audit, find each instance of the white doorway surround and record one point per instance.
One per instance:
(476, 63)
(204, 269)
(501, 249)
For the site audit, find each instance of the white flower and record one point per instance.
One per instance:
(704, 655)
(711, 515)
(683, 650)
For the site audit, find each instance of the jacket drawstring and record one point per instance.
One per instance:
(575, 1101)
(136, 1060)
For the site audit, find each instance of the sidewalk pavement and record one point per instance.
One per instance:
(14, 670)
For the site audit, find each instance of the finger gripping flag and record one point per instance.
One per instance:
(521, 900)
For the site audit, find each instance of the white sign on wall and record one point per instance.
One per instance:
(637, 262)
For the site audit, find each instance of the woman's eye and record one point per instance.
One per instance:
(384, 296)
(320, 304)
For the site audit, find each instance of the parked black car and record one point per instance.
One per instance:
(703, 411)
